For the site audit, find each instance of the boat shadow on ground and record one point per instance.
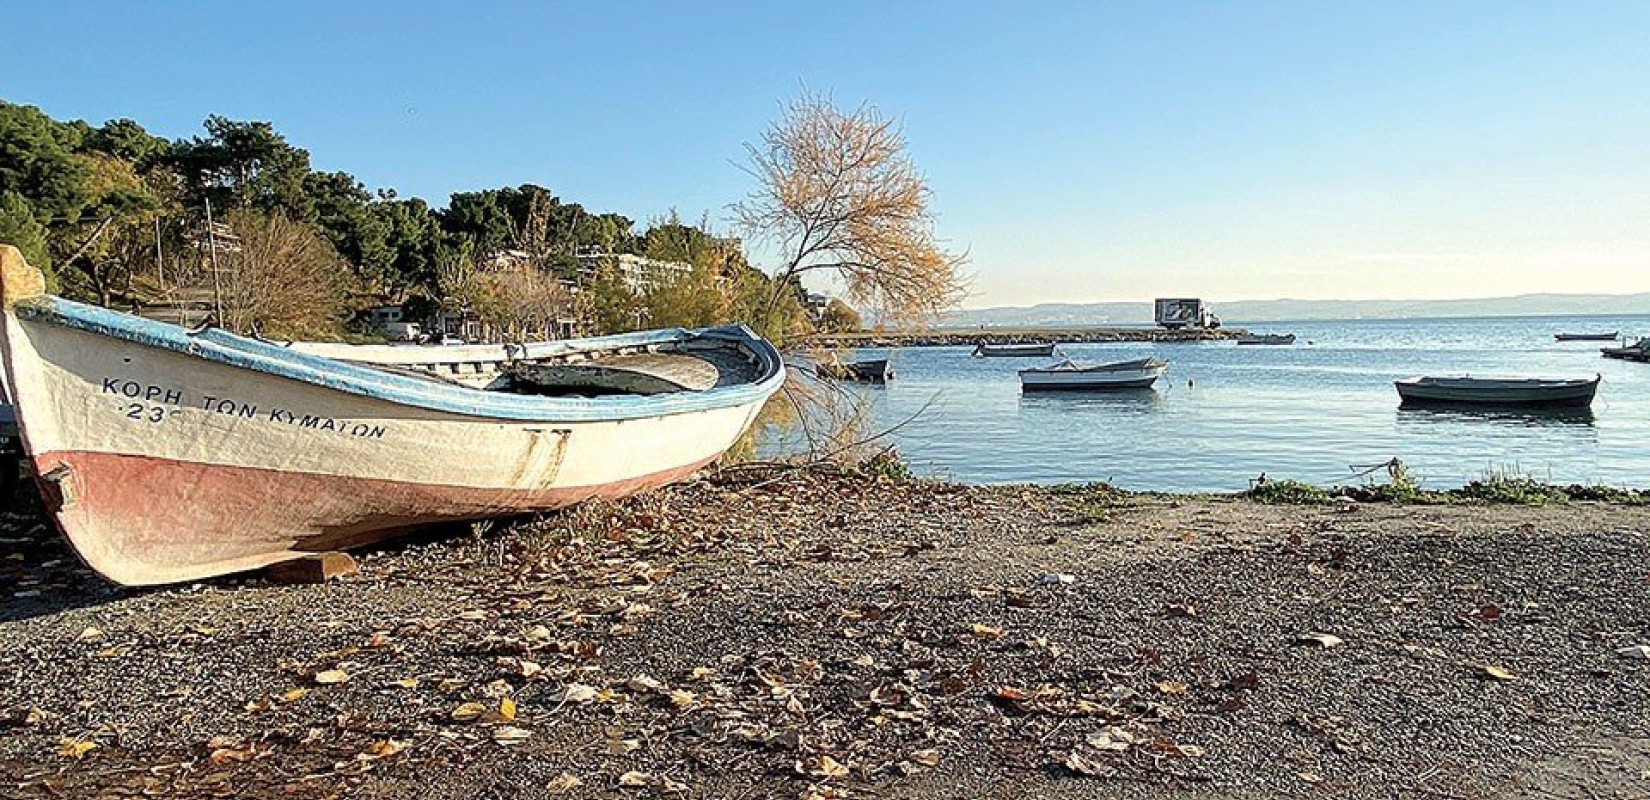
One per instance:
(40, 572)
(42, 575)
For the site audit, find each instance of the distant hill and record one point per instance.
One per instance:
(1531, 305)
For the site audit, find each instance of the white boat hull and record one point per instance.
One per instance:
(161, 466)
(1091, 379)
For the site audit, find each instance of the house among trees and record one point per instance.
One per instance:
(639, 273)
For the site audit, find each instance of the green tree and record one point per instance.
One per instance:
(345, 215)
(38, 162)
(127, 140)
(244, 165)
(19, 228)
(413, 236)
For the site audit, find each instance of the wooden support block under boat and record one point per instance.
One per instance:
(317, 568)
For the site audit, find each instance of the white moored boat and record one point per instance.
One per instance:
(168, 454)
(1138, 374)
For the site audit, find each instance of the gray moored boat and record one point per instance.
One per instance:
(1504, 392)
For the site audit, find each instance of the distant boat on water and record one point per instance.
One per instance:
(1501, 392)
(874, 370)
(1588, 337)
(1029, 350)
(1071, 375)
(1637, 351)
(1267, 338)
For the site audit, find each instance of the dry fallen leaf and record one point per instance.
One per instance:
(293, 694)
(827, 767)
(927, 758)
(563, 783)
(1498, 673)
(1325, 640)
(384, 748)
(682, 698)
(75, 748)
(1085, 764)
(645, 683)
(507, 709)
(468, 712)
(510, 735)
(1172, 687)
(578, 693)
(635, 779)
(986, 631)
(404, 683)
(90, 635)
(330, 676)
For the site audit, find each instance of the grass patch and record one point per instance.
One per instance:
(1497, 487)
(1090, 503)
(1287, 492)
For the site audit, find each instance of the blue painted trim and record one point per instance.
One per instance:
(239, 351)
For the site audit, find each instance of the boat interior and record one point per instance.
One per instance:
(557, 369)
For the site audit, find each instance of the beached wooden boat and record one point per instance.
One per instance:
(1029, 350)
(874, 370)
(1266, 338)
(1072, 375)
(168, 454)
(1502, 392)
(1588, 337)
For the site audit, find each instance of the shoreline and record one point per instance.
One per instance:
(970, 337)
(825, 636)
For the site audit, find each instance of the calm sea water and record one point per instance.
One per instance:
(1224, 413)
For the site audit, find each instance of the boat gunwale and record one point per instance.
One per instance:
(355, 378)
(1490, 384)
(1070, 367)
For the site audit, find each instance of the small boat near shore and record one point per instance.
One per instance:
(1267, 338)
(167, 454)
(1028, 350)
(1498, 392)
(1588, 337)
(1072, 375)
(1637, 351)
(873, 370)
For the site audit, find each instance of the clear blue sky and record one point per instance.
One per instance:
(1078, 151)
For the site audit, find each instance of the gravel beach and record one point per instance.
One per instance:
(807, 635)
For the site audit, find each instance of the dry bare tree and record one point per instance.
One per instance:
(521, 301)
(838, 193)
(282, 279)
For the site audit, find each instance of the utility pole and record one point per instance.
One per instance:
(212, 250)
(160, 259)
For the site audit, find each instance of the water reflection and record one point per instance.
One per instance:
(1509, 417)
(1127, 401)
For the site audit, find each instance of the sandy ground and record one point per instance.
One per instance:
(813, 636)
